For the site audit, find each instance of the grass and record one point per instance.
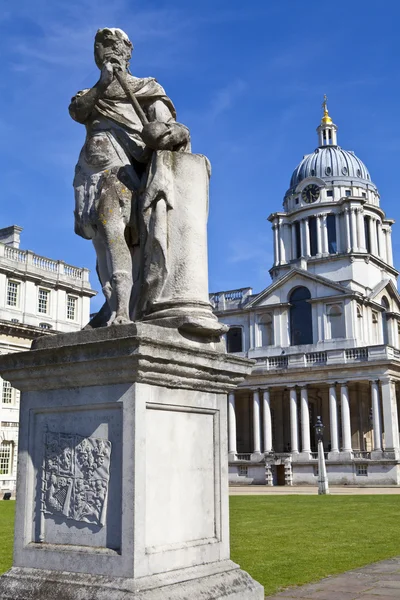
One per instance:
(292, 540)
(6, 534)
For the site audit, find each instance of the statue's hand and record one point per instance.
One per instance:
(107, 75)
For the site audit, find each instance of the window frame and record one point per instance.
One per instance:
(361, 470)
(239, 328)
(75, 299)
(6, 458)
(7, 393)
(17, 295)
(48, 292)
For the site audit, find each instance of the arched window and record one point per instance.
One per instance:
(385, 324)
(265, 331)
(336, 321)
(300, 317)
(234, 342)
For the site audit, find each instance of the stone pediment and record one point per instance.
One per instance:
(278, 292)
(386, 288)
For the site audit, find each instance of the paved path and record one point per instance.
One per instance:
(264, 490)
(379, 581)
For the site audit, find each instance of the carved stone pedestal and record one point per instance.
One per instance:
(122, 483)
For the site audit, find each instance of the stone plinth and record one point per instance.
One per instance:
(122, 483)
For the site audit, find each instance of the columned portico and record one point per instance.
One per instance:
(346, 422)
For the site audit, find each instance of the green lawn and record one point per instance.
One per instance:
(6, 533)
(290, 540)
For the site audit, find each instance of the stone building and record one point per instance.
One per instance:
(38, 296)
(324, 334)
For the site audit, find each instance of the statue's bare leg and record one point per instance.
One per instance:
(111, 228)
(105, 273)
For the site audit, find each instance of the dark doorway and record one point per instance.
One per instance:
(280, 474)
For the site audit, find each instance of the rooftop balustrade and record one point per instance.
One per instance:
(230, 299)
(29, 261)
(327, 357)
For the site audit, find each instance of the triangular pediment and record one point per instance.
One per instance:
(278, 292)
(388, 289)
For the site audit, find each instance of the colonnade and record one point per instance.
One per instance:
(383, 400)
(350, 236)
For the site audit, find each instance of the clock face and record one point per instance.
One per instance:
(310, 193)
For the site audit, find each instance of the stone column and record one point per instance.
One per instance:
(282, 249)
(338, 233)
(305, 421)
(307, 238)
(381, 240)
(294, 242)
(372, 236)
(333, 417)
(376, 416)
(384, 235)
(232, 447)
(256, 423)
(361, 230)
(346, 423)
(389, 250)
(319, 240)
(276, 244)
(294, 428)
(324, 225)
(353, 225)
(267, 420)
(390, 420)
(347, 229)
(303, 248)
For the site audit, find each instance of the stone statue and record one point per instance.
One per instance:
(142, 198)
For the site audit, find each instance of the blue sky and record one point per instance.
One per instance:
(247, 78)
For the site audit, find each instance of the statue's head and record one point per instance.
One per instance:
(112, 45)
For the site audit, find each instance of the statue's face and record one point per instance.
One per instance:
(109, 47)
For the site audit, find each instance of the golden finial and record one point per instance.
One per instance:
(326, 118)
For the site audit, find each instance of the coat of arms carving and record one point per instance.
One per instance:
(76, 476)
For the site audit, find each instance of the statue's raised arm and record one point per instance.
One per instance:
(141, 197)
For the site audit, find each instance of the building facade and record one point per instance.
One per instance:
(38, 296)
(325, 335)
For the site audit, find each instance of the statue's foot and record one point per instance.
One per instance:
(121, 320)
(112, 318)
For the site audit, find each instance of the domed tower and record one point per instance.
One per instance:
(332, 224)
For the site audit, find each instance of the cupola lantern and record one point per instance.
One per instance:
(327, 129)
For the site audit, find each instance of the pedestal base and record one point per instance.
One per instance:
(122, 474)
(208, 582)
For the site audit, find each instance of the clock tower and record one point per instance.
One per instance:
(332, 224)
